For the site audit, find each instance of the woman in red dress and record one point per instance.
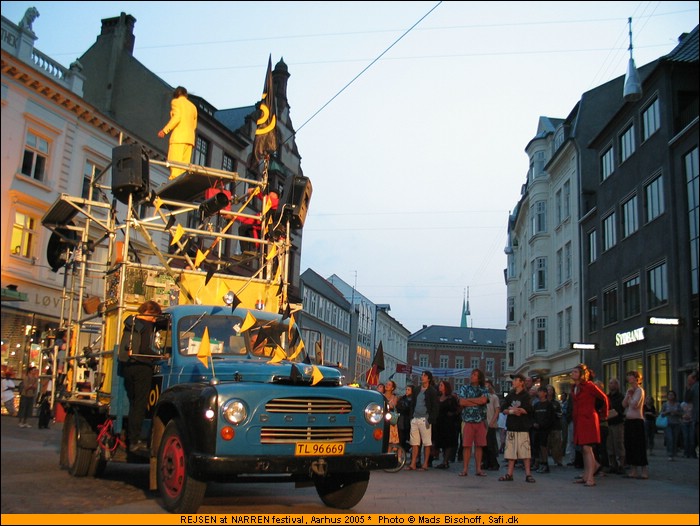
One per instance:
(586, 420)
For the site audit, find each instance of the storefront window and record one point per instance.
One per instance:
(612, 370)
(658, 377)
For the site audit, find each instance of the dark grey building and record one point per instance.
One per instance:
(639, 229)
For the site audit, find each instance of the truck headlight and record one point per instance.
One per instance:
(234, 411)
(374, 413)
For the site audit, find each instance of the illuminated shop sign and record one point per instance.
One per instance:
(623, 338)
(653, 320)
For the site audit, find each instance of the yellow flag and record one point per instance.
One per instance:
(272, 252)
(278, 355)
(248, 322)
(292, 322)
(179, 232)
(267, 204)
(278, 273)
(157, 202)
(316, 375)
(199, 258)
(300, 347)
(204, 351)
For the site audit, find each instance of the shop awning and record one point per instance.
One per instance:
(9, 294)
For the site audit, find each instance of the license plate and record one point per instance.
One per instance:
(308, 449)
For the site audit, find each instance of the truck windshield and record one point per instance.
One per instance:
(264, 339)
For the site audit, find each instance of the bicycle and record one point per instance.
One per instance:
(401, 456)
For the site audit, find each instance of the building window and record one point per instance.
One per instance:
(444, 362)
(423, 360)
(36, 153)
(593, 315)
(690, 165)
(592, 246)
(201, 152)
(609, 233)
(511, 355)
(560, 265)
(651, 120)
(627, 143)
(92, 169)
(631, 297)
(560, 329)
(654, 199)
(23, 235)
(474, 363)
(227, 163)
(511, 309)
(566, 200)
(630, 222)
(511, 266)
(657, 286)
(459, 362)
(539, 274)
(558, 206)
(539, 218)
(567, 262)
(490, 364)
(607, 164)
(540, 161)
(568, 321)
(540, 333)
(610, 306)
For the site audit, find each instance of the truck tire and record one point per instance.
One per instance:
(181, 493)
(97, 464)
(77, 458)
(342, 490)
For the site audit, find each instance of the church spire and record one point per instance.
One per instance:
(465, 309)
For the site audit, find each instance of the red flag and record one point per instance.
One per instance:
(266, 132)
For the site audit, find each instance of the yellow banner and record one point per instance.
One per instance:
(354, 518)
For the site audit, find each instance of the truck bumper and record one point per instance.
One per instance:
(209, 467)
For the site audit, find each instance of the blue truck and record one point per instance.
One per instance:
(236, 395)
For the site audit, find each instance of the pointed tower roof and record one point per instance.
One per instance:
(465, 310)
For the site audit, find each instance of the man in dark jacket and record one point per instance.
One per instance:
(426, 406)
(615, 444)
(135, 351)
(518, 408)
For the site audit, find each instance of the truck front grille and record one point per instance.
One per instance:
(292, 435)
(308, 405)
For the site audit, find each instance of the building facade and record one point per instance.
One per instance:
(326, 318)
(609, 207)
(451, 353)
(640, 229)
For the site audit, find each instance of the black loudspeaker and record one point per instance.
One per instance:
(60, 242)
(296, 198)
(130, 173)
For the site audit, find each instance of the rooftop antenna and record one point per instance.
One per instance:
(632, 91)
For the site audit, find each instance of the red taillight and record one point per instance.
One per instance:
(227, 433)
(378, 434)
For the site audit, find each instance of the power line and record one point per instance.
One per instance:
(365, 69)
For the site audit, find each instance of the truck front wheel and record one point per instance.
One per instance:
(180, 492)
(342, 490)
